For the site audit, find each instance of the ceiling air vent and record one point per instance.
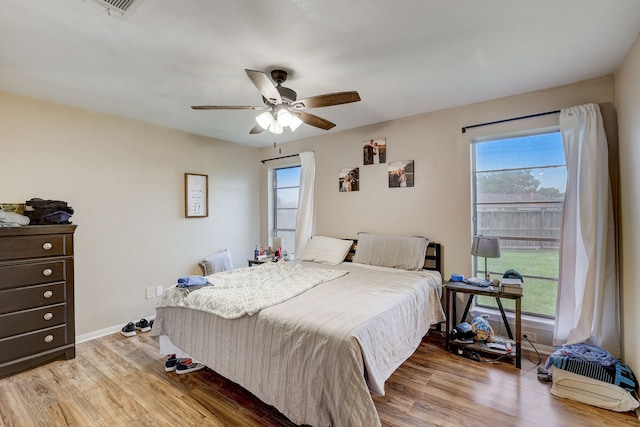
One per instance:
(119, 6)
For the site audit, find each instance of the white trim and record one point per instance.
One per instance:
(103, 332)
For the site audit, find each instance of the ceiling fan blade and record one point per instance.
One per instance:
(265, 86)
(256, 129)
(316, 121)
(328, 100)
(228, 107)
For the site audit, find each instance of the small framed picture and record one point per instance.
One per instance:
(401, 174)
(196, 190)
(349, 179)
(374, 151)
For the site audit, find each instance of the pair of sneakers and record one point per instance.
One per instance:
(181, 366)
(129, 330)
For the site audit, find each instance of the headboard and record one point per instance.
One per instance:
(432, 257)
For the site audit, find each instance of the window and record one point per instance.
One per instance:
(518, 190)
(286, 183)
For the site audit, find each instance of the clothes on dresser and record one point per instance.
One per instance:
(42, 211)
(12, 219)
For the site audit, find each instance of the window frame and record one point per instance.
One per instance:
(274, 229)
(477, 265)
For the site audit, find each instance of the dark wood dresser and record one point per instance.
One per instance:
(36, 296)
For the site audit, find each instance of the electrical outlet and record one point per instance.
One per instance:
(159, 291)
(150, 293)
(531, 336)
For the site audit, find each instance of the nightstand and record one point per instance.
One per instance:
(452, 288)
(252, 262)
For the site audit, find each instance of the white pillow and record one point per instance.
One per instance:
(326, 250)
(405, 252)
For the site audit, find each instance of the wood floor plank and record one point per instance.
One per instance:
(117, 381)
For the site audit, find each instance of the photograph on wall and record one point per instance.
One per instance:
(349, 179)
(374, 151)
(401, 174)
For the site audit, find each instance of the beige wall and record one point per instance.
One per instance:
(439, 205)
(125, 181)
(628, 105)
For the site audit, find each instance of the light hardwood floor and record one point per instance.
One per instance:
(117, 381)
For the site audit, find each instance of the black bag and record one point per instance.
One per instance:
(41, 212)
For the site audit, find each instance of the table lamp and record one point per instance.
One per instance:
(487, 247)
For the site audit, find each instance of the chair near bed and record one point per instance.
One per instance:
(220, 261)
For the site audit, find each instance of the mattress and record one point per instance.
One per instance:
(318, 356)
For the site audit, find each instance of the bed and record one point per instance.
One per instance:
(318, 356)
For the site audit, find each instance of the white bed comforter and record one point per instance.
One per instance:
(318, 356)
(246, 291)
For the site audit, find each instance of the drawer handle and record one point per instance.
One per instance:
(47, 272)
(48, 338)
(47, 294)
(46, 246)
(48, 316)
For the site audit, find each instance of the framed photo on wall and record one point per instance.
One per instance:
(349, 179)
(374, 151)
(196, 200)
(401, 174)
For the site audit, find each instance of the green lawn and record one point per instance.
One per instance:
(539, 296)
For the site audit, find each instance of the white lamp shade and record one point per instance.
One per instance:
(284, 117)
(275, 127)
(295, 122)
(265, 119)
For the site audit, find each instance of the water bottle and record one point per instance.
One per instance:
(256, 252)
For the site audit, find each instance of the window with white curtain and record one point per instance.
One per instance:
(286, 185)
(518, 186)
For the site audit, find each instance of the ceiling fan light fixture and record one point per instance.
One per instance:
(265, 119)
(295, 122)
(282, 108)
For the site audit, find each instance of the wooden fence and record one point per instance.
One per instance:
(531, 226)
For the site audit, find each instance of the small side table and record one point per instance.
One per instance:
(252, 262)
(452, 288)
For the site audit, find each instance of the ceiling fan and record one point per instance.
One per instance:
(281, 107)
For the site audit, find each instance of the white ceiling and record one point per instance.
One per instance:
(404, 57)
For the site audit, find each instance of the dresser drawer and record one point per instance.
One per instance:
(21, 247)
(31, 320)
(16, 275)
(31, 297)
(32, 343)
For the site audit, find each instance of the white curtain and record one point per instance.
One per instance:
(588, 295)
(304, 220)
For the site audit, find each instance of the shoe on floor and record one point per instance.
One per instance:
(129, 330)
(185, 366)
(171, 363)
(143, 325)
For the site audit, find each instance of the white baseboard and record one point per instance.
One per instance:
(102, 332)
